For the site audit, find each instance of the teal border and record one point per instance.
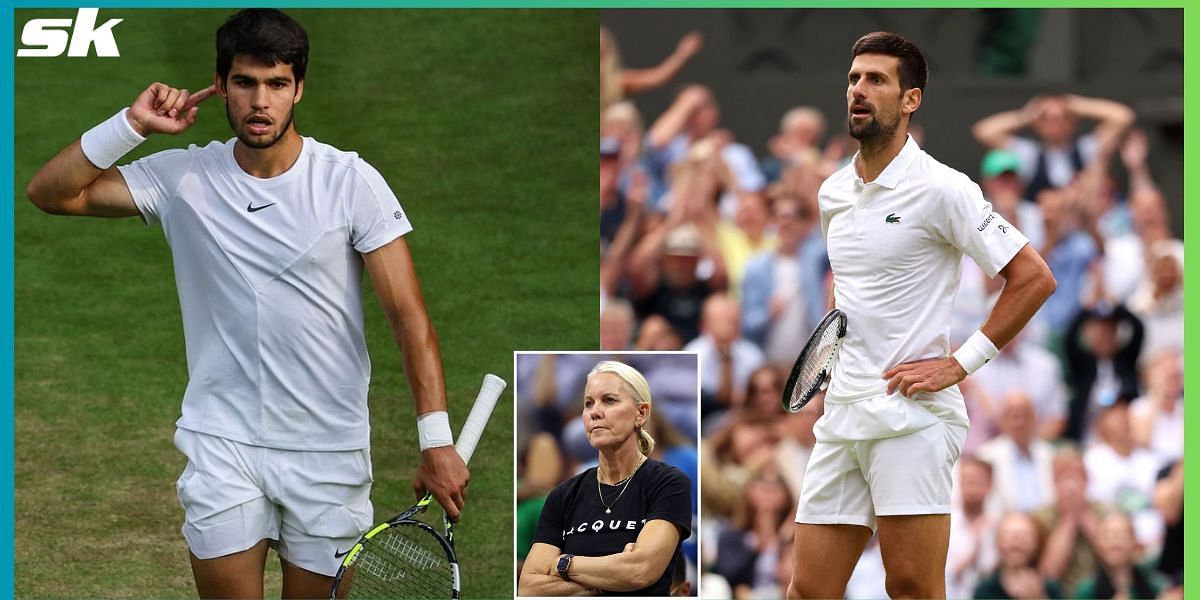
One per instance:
(6, 309)
(7, 29)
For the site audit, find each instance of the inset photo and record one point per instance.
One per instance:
(607, 473)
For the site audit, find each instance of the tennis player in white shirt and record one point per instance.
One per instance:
(269, 232)
(896, 223)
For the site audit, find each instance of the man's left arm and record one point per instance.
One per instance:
(442, 472)
(1027, 284)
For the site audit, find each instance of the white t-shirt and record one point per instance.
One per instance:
(895, 248)
(270, 286)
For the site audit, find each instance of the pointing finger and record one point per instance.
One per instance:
(200, 96)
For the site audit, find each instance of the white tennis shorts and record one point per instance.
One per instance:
(311, 505)
(852, 482)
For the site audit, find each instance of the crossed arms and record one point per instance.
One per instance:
(637, 567)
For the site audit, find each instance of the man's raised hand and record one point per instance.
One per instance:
(164, 109)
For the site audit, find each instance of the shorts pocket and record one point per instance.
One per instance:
(339, 522)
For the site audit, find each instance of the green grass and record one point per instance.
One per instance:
(483, 122)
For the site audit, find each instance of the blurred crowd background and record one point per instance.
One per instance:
(716, 131)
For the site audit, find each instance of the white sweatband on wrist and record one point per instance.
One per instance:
(975, 352)
(433, 429)
(107, 142)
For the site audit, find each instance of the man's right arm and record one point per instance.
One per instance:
(72, 184)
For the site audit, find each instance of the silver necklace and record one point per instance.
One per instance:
(627, 480)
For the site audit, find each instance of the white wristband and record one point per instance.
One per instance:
(107, 142)
(433, 429)
(975, 352)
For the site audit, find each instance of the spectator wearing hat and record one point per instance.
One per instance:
(663, 274)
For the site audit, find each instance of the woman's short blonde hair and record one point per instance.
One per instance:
(635, 384)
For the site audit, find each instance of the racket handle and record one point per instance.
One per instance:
(493, 386)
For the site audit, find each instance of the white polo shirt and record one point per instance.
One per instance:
(270, 286)
(895, 248)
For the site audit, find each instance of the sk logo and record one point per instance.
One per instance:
(49, 37)
(892, 218)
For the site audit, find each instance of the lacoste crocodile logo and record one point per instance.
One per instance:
(892, 218)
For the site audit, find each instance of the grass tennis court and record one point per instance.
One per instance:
(483, 122)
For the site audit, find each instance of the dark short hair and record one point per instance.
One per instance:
(914, 71)
(265, 35)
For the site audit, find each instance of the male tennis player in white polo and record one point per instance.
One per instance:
(896, 224)
(269, 233)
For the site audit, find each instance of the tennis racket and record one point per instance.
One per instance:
(815, 363)
(407, 558)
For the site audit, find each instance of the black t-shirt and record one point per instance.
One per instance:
(574, 520)
(679, 306)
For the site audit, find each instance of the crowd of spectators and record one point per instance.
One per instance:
(1070, 483)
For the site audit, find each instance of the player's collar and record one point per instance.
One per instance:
(895, 171)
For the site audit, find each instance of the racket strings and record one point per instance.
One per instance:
(817, 364)
(402, 562)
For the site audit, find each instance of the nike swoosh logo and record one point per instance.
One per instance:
(337, 553)
(252, 208)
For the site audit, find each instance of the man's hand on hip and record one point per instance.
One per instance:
(443, 474)
(928, 375)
